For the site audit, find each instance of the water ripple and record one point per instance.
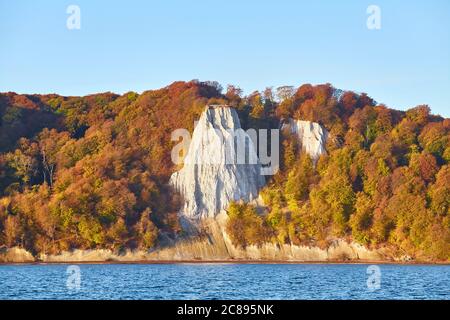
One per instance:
(224, 281)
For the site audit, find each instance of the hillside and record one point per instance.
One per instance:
(93, 172)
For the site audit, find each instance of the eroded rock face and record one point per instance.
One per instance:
(221, 165)
(312, 136)
(15, 255)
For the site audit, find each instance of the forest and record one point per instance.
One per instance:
(92, 172)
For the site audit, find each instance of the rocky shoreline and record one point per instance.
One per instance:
(20, 256)
(216, 247)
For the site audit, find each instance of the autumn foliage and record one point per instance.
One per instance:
(92, 172)
(384, 181)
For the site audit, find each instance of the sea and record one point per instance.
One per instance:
(212, 281)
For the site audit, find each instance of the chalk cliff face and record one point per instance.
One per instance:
(221, 165)
(312, 136)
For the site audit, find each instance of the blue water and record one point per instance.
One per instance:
(223, 281)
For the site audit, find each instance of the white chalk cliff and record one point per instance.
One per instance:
(312, 136)
(221, 165)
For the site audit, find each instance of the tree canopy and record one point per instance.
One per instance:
(93, 171)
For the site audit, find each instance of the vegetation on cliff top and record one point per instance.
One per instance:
(92, 172)
(385, 179)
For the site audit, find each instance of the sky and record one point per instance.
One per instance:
(136, 45)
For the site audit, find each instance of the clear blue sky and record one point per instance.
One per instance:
(141, 45)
